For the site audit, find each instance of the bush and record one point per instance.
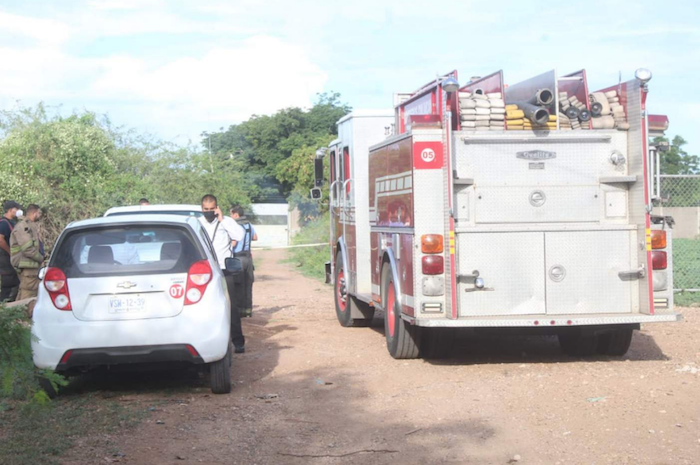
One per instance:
(19, 379)
(311, 260)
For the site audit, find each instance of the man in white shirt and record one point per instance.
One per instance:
(224, 233)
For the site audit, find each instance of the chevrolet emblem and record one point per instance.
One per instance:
(126, 285)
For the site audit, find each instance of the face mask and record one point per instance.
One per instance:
(20, 213)
(209, 216)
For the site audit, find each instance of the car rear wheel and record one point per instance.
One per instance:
(220, 373)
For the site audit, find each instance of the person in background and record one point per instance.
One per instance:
(144, 202)
(242, 251)
(9, 281)
(27, 252)
(224, 233)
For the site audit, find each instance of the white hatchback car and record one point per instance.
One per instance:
(130, 290)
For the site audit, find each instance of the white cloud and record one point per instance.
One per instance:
(261, 75)
(46, 31)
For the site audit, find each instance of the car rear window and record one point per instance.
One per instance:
(126, 250)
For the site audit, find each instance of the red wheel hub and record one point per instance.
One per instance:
(341, 293)
(390, 308)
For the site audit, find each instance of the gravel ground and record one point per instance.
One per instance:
(310, 391)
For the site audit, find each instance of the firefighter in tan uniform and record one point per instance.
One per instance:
(27, 252)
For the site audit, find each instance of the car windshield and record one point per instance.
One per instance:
(126, 250)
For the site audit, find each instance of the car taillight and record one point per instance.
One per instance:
(658, 239)
(658, 260)
(431, 243)
(433, 264)
(56, 284)
(197, 279)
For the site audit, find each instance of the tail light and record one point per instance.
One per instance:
(658, 260)
(198, 277)
(658, 239)
(431, 243)
(56, 284)
(433, 264)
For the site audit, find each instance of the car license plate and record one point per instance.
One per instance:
(134, 304)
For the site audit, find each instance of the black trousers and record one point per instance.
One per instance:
(235, 289)
(10, 287)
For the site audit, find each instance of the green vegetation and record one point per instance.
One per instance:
(277, 151)
(311, 260)
(77, 167)
(686, 270)
(18, 377)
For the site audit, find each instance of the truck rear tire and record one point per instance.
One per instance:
(402, 338)
(345, 304)
(616, 342)
(437, 343)
(578, 343)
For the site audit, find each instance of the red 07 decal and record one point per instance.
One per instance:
(427, 155)
(177, 291)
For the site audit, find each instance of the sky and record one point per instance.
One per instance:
(175, 69)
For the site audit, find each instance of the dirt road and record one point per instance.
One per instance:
(310, 392)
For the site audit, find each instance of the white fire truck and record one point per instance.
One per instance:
(444, 227)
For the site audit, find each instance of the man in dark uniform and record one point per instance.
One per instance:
(242, 251)
(8, 275)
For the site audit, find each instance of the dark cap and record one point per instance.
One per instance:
(10, 204)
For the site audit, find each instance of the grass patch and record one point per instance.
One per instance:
(34, 433)
(311, 260)
(686, 270)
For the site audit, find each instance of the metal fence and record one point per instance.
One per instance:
(679, 196)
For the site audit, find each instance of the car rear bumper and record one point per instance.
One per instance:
(206, 329)
(79, 358)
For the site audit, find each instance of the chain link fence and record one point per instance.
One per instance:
(679, 197)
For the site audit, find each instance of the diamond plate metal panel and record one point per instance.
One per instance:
(537, 204)
(582, 272)
(512, 267)
(579, 158)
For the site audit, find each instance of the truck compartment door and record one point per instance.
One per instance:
(511, 265)
(583, 272)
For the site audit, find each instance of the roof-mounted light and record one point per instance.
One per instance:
(450, 84)
(643, 74)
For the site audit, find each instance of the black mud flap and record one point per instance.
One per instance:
(328, 272)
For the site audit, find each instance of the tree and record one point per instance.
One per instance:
(274, 150)
(676, 160)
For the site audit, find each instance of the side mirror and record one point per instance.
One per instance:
(318, 172)
(316, 193)
(42, 273)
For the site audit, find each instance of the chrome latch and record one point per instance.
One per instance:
(633, 274)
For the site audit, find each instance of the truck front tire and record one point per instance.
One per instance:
(346, 305)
